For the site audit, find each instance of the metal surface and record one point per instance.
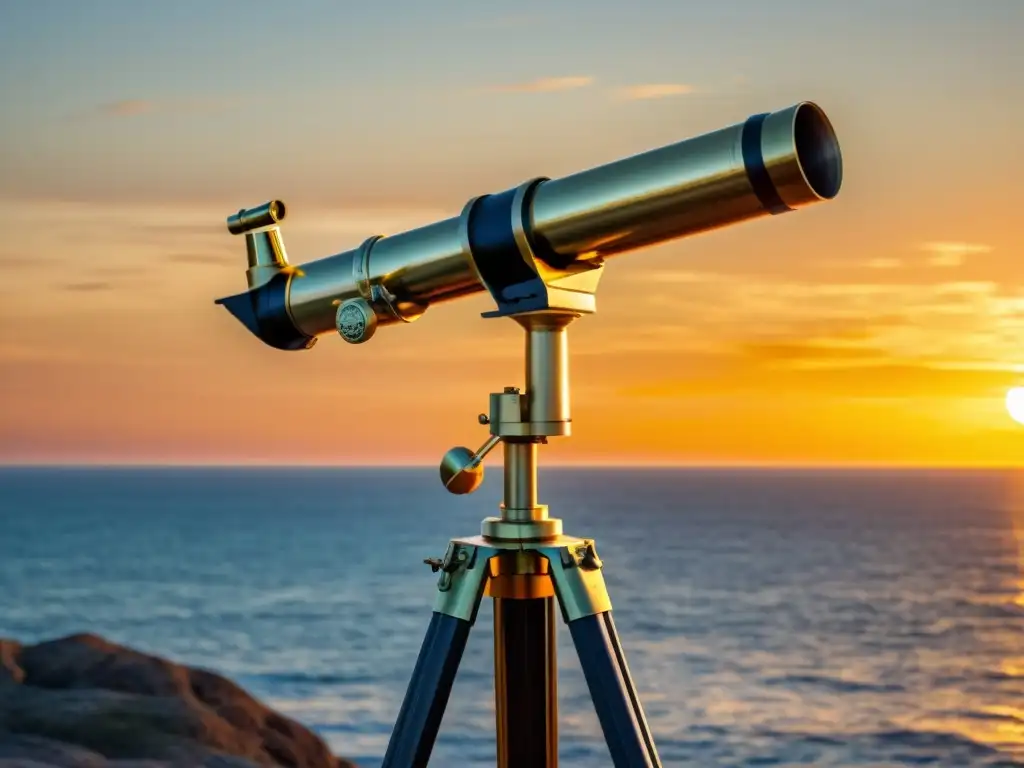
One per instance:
(577, 577)
(498, 529)
(426, 698)
(266, 256)
(613, 692)
(520, 477)
(557, 232)
(539, 250)
(547, 371)
(520, 575)
(460, 587)
(265, 215)
(356, 321)
(462, 470)
(683, 189)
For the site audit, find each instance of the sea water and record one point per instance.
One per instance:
(784, 617)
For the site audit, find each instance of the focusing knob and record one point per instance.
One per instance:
(356, 321)
(461, 471)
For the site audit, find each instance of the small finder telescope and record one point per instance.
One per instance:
(539, 250)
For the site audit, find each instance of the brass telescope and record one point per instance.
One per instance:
(538, 245)
(539, 250)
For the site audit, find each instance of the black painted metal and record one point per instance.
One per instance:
(615, 698)
(419, 720)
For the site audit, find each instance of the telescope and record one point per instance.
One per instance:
(539, 250)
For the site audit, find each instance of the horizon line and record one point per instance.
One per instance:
(625, 465)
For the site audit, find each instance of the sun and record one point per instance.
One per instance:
(1015, 404)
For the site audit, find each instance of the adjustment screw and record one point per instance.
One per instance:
(435, 563)
(511, 390)
(483, 418)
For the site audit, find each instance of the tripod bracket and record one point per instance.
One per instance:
(574, 569)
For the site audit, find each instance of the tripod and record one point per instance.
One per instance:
(524, 562)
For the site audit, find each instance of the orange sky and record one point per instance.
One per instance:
(882, 328)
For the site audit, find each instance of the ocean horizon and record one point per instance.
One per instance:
(797, 615)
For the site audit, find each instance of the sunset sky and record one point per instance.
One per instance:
(882, 328)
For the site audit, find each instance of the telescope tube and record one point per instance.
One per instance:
(767, 165)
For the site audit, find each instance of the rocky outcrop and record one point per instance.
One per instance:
(84, 702)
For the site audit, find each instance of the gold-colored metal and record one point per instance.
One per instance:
(571, 287)
(266, 255)
(509, 416)
(496, 529)
(565, 228)
(521, 483)
(249, 219)
(686, 188)
(417, 268)
(547, 371)
(801, 154)
(462, 470)
(519, 575)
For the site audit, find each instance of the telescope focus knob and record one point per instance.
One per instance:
(461, 471)
(356, 321)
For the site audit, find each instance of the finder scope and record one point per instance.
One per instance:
(541, 245)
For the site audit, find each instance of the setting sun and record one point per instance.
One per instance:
(1015, 404)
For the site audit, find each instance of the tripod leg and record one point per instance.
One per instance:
(525, 682)
(461, 589)
(576, 573)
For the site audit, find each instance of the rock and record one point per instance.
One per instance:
(10, 671)
(84, 702)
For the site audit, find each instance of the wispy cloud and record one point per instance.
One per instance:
(545, 85)
(656, 91)
(214, 260)
(883, 263)
(126, 108)
(951, 254)
(87, 287)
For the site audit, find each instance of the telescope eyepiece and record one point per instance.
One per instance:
(248, 219)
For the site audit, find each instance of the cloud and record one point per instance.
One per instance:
(95, 285)
(810, 352)
(127, 108)
(951, 254)
(137, 107)
(545, 85)
(656, 90)
(663, 276)
(205, 259)
(883, 263)
(867, 380)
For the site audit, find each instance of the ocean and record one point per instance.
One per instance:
(782, 618)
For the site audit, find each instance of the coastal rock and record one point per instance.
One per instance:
(84, 702)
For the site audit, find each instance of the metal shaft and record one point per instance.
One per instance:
(520, 482)
(547, 370)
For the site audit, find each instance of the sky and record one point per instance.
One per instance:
(883, 328)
